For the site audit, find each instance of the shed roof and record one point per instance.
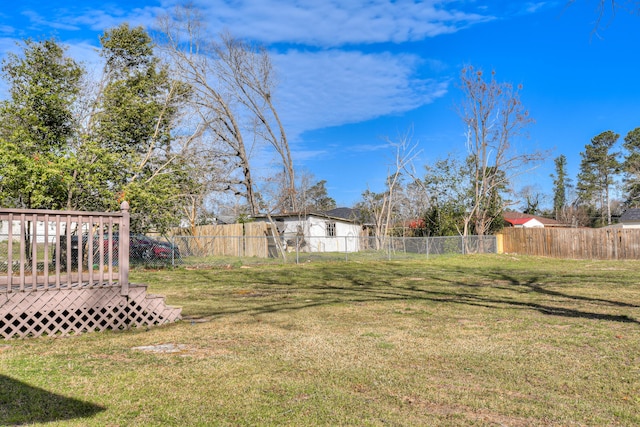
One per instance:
(304, 215)
(346, 213)
(630, 215)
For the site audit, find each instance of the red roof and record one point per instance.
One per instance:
(519, 216)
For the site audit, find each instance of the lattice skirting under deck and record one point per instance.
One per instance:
(74, 311)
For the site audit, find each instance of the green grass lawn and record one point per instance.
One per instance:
(466, 340)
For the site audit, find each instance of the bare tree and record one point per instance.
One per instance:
(493, 116)
(209, 174)
(531, 198)
(380, 207)
(605, 7)
(194, 58)
(248, 71)
(233, 83)
(416, 199)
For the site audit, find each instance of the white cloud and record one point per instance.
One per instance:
(39, 21)
(331, 23)
(335, 87)
(7, 29)
(109, 17)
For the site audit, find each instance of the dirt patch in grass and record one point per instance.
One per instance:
(163, 348)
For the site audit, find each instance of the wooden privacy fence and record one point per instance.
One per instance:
(237, 240)
(64, 272)
(574, 243)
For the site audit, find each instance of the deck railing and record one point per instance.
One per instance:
(41, 249)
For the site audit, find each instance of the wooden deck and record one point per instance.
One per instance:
(83, 289)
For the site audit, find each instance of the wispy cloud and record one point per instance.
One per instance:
(39, 21)
(335, 87)
(87, 15)
(307, 155)
(333, 23)
(534, 7)
(109, 17)
(367, 148)
(7, 29)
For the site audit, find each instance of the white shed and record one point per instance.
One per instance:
(316, 232)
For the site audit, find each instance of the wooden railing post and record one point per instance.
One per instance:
(123, 249)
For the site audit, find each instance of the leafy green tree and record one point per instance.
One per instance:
(65, 145)
(443, 220)
(36, 123)
(631, 168)
(598, 168)
(447, 185)
(131, 131)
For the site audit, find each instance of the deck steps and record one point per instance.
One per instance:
(77, 310)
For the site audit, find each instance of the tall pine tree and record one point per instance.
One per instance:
(631, 167)
(560, 184)
(598, 168)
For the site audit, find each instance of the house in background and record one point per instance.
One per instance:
(39, 228)
(316, 232)
(524, 222)
(630, 218)
(521, 220)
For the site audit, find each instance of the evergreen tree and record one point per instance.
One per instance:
(318, 198)
(631, 167)
(560, 184)
(598, 169)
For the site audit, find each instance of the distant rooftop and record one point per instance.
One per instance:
(630, 215)
(520, 218)
(346, 213)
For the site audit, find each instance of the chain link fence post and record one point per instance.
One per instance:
(173, 257)
(427, 248)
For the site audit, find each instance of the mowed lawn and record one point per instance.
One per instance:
(451, 341)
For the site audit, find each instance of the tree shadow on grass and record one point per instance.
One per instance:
(334, 286)
(21, 403)
(532, 285)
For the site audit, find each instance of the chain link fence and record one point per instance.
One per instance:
(85, 253)
(204, 251)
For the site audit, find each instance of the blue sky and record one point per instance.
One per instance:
(354, 73)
